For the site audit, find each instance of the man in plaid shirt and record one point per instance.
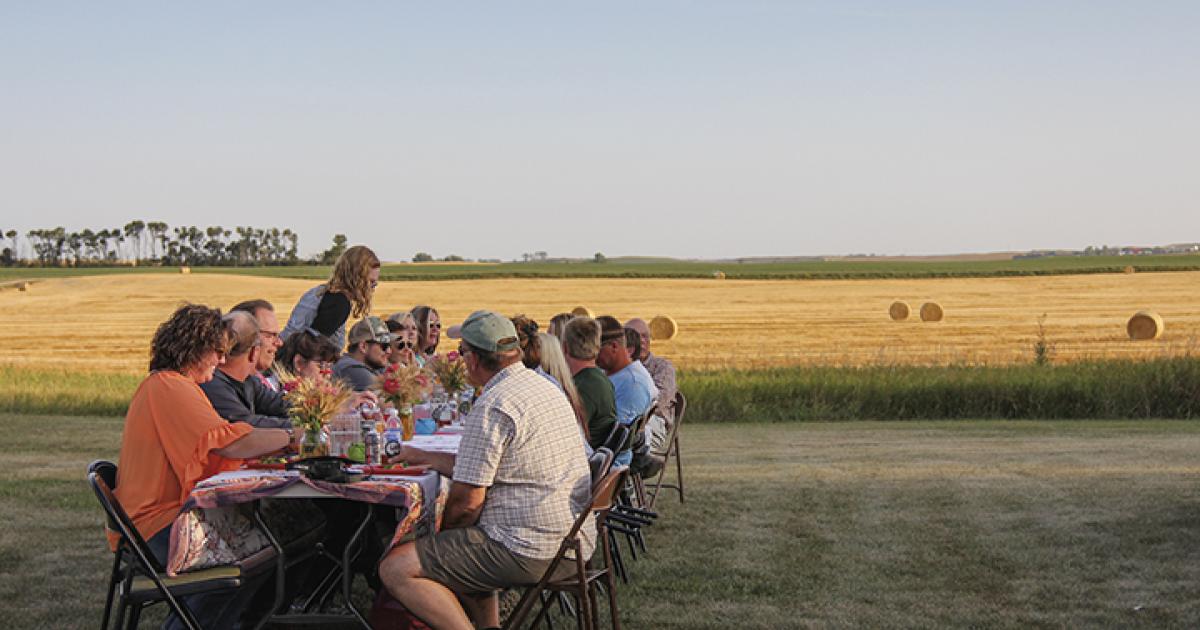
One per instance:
(521, 478)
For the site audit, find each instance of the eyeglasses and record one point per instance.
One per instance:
(323, 366)
(463, 349)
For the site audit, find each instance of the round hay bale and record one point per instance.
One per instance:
(582, 311)
(1144, 325)
(899, 311)
(23, 286)
(1130, 269)
(932, 312)
(719, 275)
(185, 270)
(663, 327)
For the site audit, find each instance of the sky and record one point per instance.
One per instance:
(666, 128)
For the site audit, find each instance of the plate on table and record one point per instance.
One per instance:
(268, 464)
(404, 471)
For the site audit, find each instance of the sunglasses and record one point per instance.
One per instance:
(437, 325)
(404, 345)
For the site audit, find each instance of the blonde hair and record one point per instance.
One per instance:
(351, 275)
(555, 365)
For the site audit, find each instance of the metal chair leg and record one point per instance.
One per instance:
(679, 466)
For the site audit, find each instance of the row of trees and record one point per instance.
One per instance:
(154, 242)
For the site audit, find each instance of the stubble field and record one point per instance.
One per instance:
(105, 322)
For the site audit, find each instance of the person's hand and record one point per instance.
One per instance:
(294, 441)
(409, 455)
(364, 397)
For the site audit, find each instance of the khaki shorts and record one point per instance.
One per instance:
(467, 561)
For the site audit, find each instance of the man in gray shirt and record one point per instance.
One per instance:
(366, 356)
(521, 478)
(235, 390)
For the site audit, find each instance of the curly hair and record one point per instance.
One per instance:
(182, 341)
(351, 275)
(531, 345)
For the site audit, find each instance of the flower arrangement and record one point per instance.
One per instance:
(403, 385)
(450, 370)
(313, 402)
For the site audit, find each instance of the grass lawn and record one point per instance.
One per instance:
(913, 524)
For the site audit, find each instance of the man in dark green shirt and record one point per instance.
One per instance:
(581, 344)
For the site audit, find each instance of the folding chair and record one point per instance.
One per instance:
(137, 577)
(600, 462)
(639, 428)
(582, 584)
(672, 452)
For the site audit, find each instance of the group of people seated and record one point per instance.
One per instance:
(544, 401)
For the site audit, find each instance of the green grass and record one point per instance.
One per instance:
(63, 392)
(667, 268)
(1161, 388)
(920, 524)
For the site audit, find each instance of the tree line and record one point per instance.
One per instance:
(156, 243)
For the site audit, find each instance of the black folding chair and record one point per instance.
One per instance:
(600, 462)
(672, 452)
(138, 580)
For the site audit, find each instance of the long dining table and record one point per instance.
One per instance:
(213, 528)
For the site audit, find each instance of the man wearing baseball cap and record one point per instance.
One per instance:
(521, 477)
(633, 386)
(370, 343)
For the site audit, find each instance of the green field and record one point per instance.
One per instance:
(666, 268)
(922, 524)
(1160, 388)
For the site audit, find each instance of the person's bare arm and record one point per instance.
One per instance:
(412, 456)
(463, 505)
(256, 443)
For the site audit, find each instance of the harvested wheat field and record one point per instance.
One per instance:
(105, 322)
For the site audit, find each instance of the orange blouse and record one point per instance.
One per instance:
(170, 432)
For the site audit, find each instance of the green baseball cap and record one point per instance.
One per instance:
(491, 331)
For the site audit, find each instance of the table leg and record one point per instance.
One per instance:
(347, 572)
(280, 564)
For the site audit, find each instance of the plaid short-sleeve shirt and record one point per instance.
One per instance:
(522, 442)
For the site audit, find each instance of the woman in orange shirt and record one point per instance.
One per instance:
(173, 438)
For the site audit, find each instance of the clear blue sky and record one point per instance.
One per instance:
(693, 129)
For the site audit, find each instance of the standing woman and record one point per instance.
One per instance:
(326, 307)
(429, 332)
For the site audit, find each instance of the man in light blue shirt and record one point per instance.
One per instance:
(632, 384)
